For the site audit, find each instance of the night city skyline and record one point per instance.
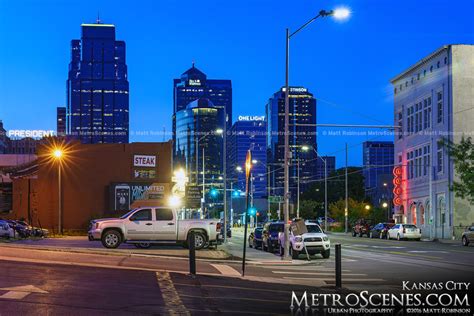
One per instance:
(360, 55)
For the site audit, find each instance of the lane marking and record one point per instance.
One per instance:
(343, 280)
(226, 270)
(171, 299)
(20, 292)
(315, 273)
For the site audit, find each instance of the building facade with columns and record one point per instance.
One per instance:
(433, 99)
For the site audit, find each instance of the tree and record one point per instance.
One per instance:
(356, 210)
(462, 155)
(310, 209)
(336, 188)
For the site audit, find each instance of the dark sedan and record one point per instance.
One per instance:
(255, 238)
(380, 230)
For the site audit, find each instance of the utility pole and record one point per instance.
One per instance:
(298, 191)
(269, 191)
(203, 202)
(346, 210)
(286, 209)
(225, 179)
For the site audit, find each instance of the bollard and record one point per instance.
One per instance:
(192, 254)
(338, 266)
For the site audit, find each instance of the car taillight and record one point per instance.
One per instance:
(218, 226)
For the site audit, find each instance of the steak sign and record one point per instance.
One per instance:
(144, 161)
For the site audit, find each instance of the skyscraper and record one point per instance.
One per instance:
(248, 133)
(61, 121)
(302, 109)
(196, 139)
(378, 167)
(97, 87)
(194, 85)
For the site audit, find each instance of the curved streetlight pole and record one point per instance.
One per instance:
(340, 14)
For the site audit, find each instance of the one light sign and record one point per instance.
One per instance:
(144, 161)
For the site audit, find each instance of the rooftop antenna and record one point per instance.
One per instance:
(98, 18)
(193, 63)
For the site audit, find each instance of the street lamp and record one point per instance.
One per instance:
(306, 148)
(384, 204)
(338, 14)
(57, 155)
(367, 207)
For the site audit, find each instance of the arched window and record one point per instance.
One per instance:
(422, 214)
(413, 213)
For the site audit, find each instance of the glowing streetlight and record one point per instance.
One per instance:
(254, 161)
(341, 13)
(174, 201)
(238, 168)
(57, 154)
(384, 204)
(304, 148)
(219, 131)
(367, 207)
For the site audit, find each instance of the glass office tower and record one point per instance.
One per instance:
(197, 125)
(248, 133)
(378, 168)
(302, 110)
(194, 84)
(97, 87)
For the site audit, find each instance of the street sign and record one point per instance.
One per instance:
(193, 196)
(275, 198)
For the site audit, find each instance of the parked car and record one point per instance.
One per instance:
(5, 230)
(315, 240)
(380, 230)
(153, 225)
(270, 235)
(468, 236)
(404, 231)
(360, 228)
(255, 238)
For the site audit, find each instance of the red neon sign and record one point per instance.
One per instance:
(397, 186)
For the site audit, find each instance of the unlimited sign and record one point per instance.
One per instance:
(144, 161)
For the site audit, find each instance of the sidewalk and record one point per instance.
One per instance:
(80, 244)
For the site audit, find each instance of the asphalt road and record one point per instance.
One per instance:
(68, 283)
(74, 290)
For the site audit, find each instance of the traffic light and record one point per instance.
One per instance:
(235, 193)
(213, 192)
(252, 211)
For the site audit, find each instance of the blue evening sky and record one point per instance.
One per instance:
(346, 65)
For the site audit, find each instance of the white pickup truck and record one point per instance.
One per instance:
(154, 225)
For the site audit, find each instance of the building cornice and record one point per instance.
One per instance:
(420, 63)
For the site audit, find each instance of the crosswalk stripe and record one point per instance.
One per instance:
(343, 280)
(171, 298)
(226, 270)
(315, 273)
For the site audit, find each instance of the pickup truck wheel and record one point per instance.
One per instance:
(326, 253)
(361, 234)
(353, 233)
(199, 240)
(111, 239)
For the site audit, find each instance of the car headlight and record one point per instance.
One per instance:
(325, 238)
(298, 239)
